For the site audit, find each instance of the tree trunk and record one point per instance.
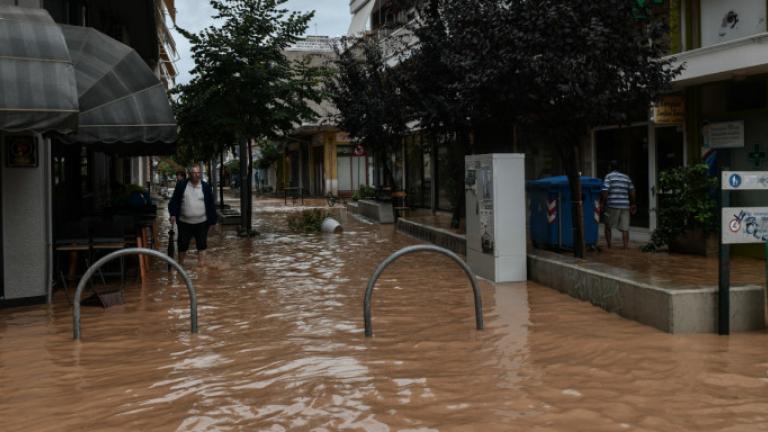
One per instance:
(577, 206)
(250, 185)
(462, 149)
(221, 180)
(245, 222)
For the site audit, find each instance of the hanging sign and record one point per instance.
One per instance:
(744, 225)
(745, 180)
(669, 110)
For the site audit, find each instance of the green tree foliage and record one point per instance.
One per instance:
(686, 201)
(243, 84)
(269, 155)
(558, 68)
(365, 91)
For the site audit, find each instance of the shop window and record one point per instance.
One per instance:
(86, 185)
(749, 94)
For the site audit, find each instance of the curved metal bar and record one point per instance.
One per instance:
(132, 251)
(408, 250)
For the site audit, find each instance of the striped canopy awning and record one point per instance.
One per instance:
(123, 105)
(37, 79)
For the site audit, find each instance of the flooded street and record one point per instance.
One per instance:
(281, 348)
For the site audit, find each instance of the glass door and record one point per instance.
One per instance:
(629, 147)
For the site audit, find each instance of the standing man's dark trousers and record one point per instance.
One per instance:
(197, 231)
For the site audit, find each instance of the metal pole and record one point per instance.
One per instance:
(408, 250)
(724, 269)
(119, 254)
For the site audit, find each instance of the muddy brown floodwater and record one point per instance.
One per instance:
(281, 348)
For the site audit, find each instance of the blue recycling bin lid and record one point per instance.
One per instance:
(562, 181)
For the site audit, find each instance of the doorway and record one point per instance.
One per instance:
(629, 147)
(318, 158)
(670, 153)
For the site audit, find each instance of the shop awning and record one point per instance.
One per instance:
(124, 108)
(37, 80)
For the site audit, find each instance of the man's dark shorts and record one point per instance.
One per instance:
(188, 231)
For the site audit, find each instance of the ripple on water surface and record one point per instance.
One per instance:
(281, 348)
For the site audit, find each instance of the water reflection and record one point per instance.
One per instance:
(281, 347)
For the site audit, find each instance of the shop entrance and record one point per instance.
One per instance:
(670, 150)
(628, 146)
(318, 157)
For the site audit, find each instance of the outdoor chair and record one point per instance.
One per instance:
(400, 203)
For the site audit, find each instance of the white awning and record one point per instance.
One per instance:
(361, 21)
(728, 60)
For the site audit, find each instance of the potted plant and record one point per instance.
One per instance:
(687, 211)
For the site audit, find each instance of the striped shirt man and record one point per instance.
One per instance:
(618, 187)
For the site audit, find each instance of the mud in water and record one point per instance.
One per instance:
(281, 348)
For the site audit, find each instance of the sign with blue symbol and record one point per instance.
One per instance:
(745, 180)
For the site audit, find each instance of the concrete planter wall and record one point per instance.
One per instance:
(695, 242)
(377, 211)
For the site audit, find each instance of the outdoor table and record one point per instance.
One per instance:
(299, 193)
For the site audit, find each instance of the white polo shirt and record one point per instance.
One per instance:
(193, 204)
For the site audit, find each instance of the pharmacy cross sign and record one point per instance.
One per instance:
(757, 157)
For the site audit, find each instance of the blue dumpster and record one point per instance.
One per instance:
(550, 211)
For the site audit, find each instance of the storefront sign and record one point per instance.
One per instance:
(669, 110)
(20, 151)
(724, 135)
(745, 180)
(359, 150)
(744, 225)
(343, 137)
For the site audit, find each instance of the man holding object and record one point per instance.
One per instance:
(192, 204)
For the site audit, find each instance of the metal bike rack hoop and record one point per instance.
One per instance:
(409, 250)
(132, 251)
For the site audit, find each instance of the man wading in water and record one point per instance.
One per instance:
(192, 204)
(618, 200)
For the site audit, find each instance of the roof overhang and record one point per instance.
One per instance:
(37, 78)
(123, 105)
(733, 59)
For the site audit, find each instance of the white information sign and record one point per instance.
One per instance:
(724, 135)
(745, 180)
(745, 225)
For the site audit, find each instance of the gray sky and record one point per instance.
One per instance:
(332, 18)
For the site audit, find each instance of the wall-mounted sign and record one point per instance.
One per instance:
(343, 137)
(745, 180)
(724, 135)
(669, 110)
(359, 150)
(722, 21)
(744, 225)
(20, 151)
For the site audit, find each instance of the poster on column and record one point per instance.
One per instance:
(484, 185)
(744, 225)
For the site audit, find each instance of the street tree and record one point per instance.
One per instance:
(370, 105)
(243, 85)
(587, 64)
(559, 68)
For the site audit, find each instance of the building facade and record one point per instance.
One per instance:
(82, 97)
